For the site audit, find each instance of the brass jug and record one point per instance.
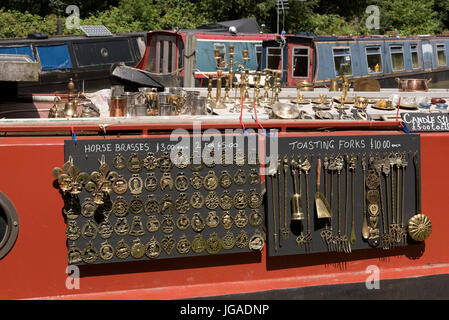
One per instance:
(334, 85)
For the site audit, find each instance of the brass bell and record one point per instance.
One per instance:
(297, 213)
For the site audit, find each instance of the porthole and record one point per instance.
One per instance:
(9, 225)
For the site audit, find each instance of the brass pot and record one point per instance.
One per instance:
(305, 85)
(412, 85)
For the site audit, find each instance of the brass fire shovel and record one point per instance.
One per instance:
(322, 206)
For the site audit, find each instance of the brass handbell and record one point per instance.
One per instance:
(297, 213)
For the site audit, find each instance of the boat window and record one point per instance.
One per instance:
(397, 58)
(162, 54)
(221, 62)
(25, 50)
(258, 49)
(342, 61)
(54, 57)
(415, 56)
(300, 62)
(441, 54)
(374, 59)
(274, 58)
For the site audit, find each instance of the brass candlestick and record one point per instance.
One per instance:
(266, 88)
(209, 88)
(277, 87)
(228, 84)
(218, 103)
(257, 90)
(246, 98)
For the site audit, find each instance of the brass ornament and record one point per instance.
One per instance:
(181, 161)
(182, 204)
(106, 251)
(165, 164)
(181, 182)
(90, 253)
(194, 166)
(240, 177)
(256, 242)
(212, 219)
(419, 227)
(255, 199)
(196, 181)
(134, 163)
(197, 200)
(136, 205)
(69, 178)
(228, 241)
(74, 254)
(168, 224)
(242, 240)
(213, 244)
(151, 182)
(241, 219)
(373, 196)
(373, 209)
(88, 208)
(135, 184)
(183, 245)
(239, 159)
(210, 181)
(121, 226)
(136, 227)
(150, 162)
(198, 244)
(122, 250)
(166, 181)
(225, 179)
(240, 200)
(254, 177)
(72, 230)
(372, 180)
(151, 205)
(198, 223)
(183, 222)
(165, 204)
(119, 161)
(120, 207)
(101, 182)
(226, 220)
(168, 243)
(89, 230)
(255, 218)
(120, 185)
(137, 249)
(153, 224)
(153, 248)
(212, 201)
(72, 208)
(226, 201)
(105, 228)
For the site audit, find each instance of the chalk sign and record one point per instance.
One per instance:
(423, 122)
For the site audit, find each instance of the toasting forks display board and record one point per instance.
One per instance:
(365, 196)
(129, 199)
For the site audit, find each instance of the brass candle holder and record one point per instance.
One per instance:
(246, 97)
(257, 90)
(209, 88)
(218, 103)
(266, 88)
(228, 84)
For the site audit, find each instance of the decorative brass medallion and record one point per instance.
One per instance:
(198, 222)
(72, 208)
(197, 200)
(373, 209)
(135, 184)
(196, 181)
(151, 182)
(212, 200)
(120, 207)
(88, 208)
(198, 244)
(213, 244)
(153, 248)
(210, 163)
(121, 227)
(182, 204)
(419, 227)
(242, 239)
(165, 164)
(210, 181)
(181, 161)
(226, 220)
(166, 181)
(225, 179)
(134, 163)
(183, 245)
(254, 177)
(106, 251)
(212, 219)
(74, 254)
(165, 204)
(241, 219)
(255, 199)
(228, 241)
(136, 205)
(168, 224)
(181, 182)
(168, 243)
(255, 218)
(120, 185)
(72, 231)
(152, 204)
(239, 159)
(150, 162)
(373, 196)
(256, 242)
(183, 222)
(89, 230)
(100, 184)
(136, 227)
(372, 180)
(119, 162)
(240, 177)
(90, 253)
(240, 200)
(137, 249)
(194, 166)
(153, 224)
(122, 250)
(105, 228)
(226, 201)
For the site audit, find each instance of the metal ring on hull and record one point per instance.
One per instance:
(8, 239)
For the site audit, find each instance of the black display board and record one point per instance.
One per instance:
(240, 152)
(374, 148)
(426, 122)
